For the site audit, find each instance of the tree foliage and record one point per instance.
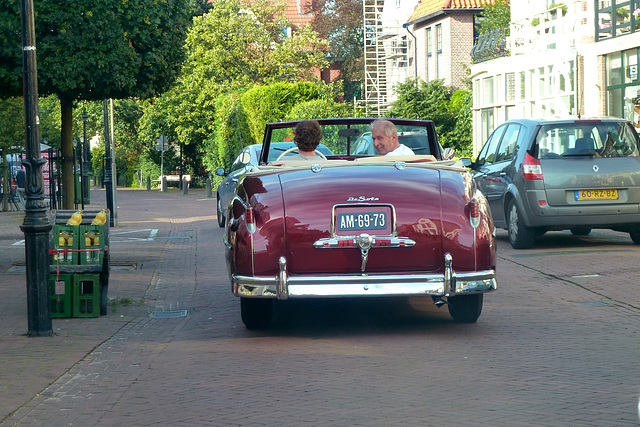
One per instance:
(264, 104)
(341, 23)
(229, 50)
(496, 16)
(451, 113)
(12, 129)
(91, 50)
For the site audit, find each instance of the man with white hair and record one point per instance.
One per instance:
(385, 139)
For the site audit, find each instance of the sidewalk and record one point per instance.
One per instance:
(29, 365)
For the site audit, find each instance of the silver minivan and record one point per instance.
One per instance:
(541, 175)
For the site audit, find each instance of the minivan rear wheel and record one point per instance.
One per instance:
(520, 236)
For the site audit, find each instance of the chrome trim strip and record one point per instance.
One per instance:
(226, 242)
(364, 285)
(394, 242)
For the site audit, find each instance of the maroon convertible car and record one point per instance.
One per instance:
(357, 224)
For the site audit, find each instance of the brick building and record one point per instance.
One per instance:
(443, 31)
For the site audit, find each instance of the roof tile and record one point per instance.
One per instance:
(425, 7)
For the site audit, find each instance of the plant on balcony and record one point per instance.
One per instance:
(622, 13)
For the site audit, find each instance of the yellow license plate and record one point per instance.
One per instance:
(597, 195)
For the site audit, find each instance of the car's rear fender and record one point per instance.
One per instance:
(256, 247)
(472, 248)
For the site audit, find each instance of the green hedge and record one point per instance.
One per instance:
(272, 103)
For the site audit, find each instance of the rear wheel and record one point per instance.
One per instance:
(540, 231)
(220, 213)
(635, 236)
(256, 312)
(520, 236)
(465, 308)
(580, 231)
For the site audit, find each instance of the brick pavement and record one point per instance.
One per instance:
(537, 356)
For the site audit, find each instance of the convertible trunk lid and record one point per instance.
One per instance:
(347, 201)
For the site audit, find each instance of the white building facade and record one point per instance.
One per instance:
(565, 59)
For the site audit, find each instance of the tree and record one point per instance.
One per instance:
(451, 113)
(230, 49)
(496, 16)
(93, 50)
(12, 137)
(341, 23)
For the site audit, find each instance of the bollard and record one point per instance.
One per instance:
(185, 186)
(163, 183)
(209, 191)
(148, 183)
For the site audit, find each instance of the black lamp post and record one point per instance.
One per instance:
(108, 182)
(85, 157)
(36, 226)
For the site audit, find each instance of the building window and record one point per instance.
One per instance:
(510, 87)
(438, 49)
(615, 18)
(486, 125)
(429, 42)
(488, 91)
(623, 85)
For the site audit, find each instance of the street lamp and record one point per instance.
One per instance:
(36, 225)
(108, 183)
(85, 158)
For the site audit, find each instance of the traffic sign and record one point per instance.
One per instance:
(162, 143)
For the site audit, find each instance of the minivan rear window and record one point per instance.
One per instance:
(587, 138)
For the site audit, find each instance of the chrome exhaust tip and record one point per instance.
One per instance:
(439, 302)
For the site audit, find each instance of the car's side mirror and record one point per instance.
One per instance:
(245, 157)
(449, 153)
(220, 172)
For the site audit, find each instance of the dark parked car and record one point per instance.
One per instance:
(358, 225)
(247, 159)
(541, 175)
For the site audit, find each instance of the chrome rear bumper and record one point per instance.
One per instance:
(283, 287)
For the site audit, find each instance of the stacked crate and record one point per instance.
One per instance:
(77, 278)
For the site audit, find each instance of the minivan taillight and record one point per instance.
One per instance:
(531, 167)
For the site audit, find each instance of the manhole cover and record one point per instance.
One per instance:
(168, 314)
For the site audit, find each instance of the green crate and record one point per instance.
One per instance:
(60, 294)
(86, 295)
(97, 242)
(70, 258)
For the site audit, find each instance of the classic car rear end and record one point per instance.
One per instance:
(360, 227)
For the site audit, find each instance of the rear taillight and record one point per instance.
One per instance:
(250, 220)
(474, 212)
(531, 167)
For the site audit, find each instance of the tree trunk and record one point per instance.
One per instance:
(68, 183)
(5, 180)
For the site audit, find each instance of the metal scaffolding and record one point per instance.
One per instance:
(375, 80)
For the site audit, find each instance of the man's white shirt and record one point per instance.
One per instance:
(402, 150)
